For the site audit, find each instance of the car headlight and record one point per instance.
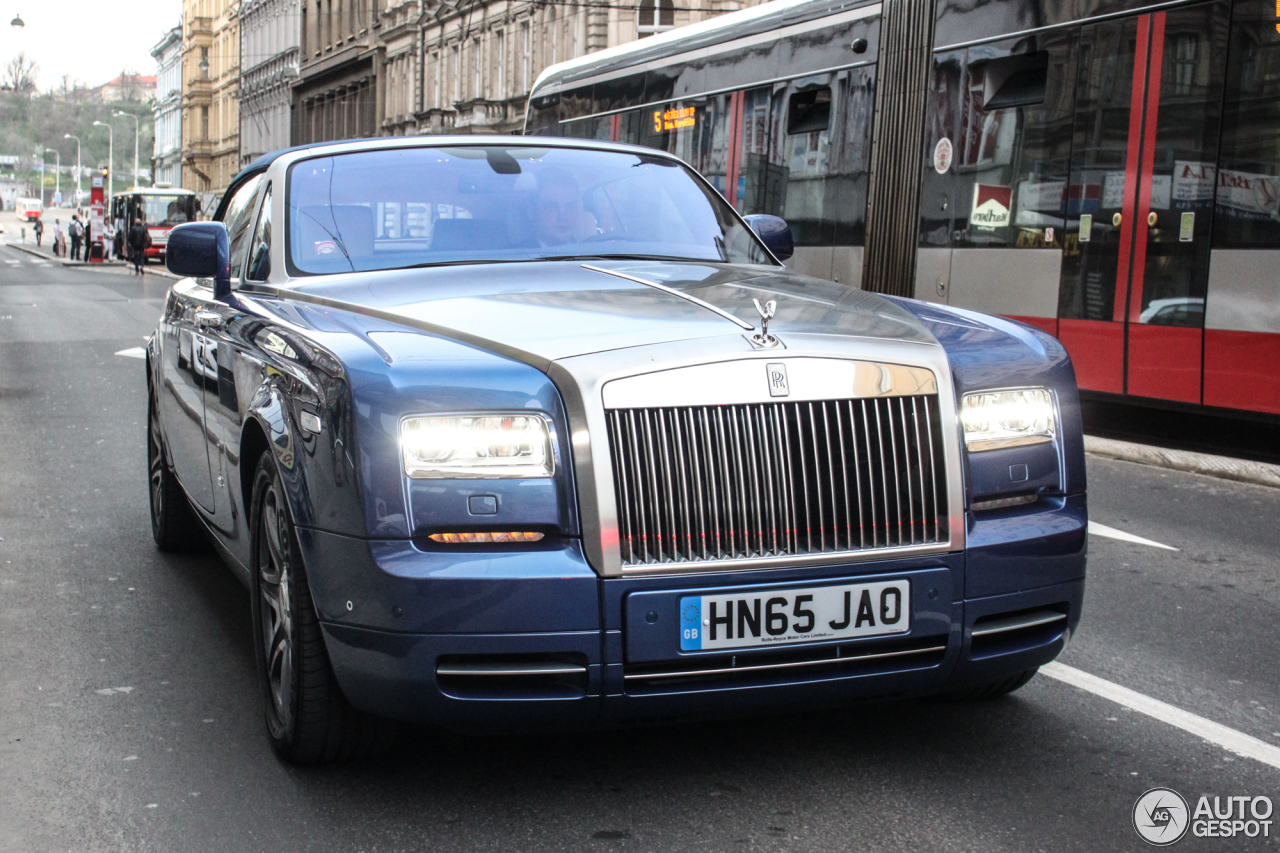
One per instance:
(489, 445)
(998, 419)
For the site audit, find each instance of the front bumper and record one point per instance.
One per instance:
(402, 622)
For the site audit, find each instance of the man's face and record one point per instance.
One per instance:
(558, 212)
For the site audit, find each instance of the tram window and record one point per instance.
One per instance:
(809, 111)
(821, 157)
(1005, 111)
(1015, 81)
(1247, 203)
(618, 93)
(544, 115)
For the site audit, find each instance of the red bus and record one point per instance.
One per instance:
(1105, 170)
(164, 207)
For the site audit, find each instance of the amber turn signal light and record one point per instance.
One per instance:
(481, 538)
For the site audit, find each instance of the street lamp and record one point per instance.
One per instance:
(111, 160)
(57, 173)
(77, 139)
(17, 22)
(135, 141)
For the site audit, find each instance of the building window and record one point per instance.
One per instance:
(204, 123)
(526, 56)
(1184, 62)
(477, 79)
(435, 81)
(655, 16)
(555, 36)
(204, 63)
(501, 50)
(457, 73)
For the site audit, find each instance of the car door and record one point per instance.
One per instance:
(186, 368)
(201, 376)
(224, 411)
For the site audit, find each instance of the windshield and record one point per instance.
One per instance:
(168, 209)
(385, 209)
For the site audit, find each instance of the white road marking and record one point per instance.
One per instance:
(133, 352)
(12, 261)
(1216, 733)
(1111, 533)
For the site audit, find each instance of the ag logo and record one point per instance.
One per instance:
(1161, 816)
(777, 374)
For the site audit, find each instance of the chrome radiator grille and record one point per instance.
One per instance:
(777, 479)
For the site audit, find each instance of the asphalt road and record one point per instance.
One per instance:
(130, 719)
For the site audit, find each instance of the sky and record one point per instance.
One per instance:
(88, 40)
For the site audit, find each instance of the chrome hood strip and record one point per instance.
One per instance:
(695, 300)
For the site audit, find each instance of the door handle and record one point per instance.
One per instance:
(208, 320)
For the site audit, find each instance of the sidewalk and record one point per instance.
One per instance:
(45, 252)
(1224, 467)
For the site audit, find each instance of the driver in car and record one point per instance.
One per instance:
(558, 215)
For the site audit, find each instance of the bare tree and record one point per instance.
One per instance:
(19, 74)
(128, 86)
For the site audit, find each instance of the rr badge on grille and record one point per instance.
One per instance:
(777, 373)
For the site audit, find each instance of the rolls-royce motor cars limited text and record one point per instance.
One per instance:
(543, 433)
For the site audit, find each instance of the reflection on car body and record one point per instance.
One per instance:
(492, 432)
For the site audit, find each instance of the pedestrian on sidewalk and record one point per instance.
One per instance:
(117, 243)
(57, 238)
(87, 242)
(39, 229)
(139, 239)
(76, 230)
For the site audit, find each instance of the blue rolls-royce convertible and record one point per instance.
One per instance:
(542, 433)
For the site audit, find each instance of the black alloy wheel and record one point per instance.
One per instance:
(173, 523)
(309, 720)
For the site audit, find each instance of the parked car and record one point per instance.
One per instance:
(543, 432)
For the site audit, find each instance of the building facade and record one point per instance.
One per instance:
(339, 90)
(210, 96)
(269, 42)
(477, 61)
(166, 158)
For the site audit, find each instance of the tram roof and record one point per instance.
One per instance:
(734, 25)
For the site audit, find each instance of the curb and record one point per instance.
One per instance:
(108, 265)
(1223, 467)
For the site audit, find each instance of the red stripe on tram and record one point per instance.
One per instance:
(1154, 78)
(1132, 167)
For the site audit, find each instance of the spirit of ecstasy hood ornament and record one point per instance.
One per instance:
(764, 339)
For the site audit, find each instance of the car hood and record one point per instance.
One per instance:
(545, 311)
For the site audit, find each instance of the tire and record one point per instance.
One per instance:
(173, 523)
(996, 689)
(309, 720)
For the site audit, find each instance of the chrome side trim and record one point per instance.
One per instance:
(695, 300)
(492, 669)
(745, 381)
(1016, 623)
(655, 676)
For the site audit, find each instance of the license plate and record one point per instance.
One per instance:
(777, 617)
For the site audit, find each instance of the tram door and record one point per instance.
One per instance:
(1144, 151)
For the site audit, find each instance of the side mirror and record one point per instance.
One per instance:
(774, 232)
(201, 250)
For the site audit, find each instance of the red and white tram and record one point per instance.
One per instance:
(1105, 170)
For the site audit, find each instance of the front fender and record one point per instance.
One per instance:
(269, 425)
